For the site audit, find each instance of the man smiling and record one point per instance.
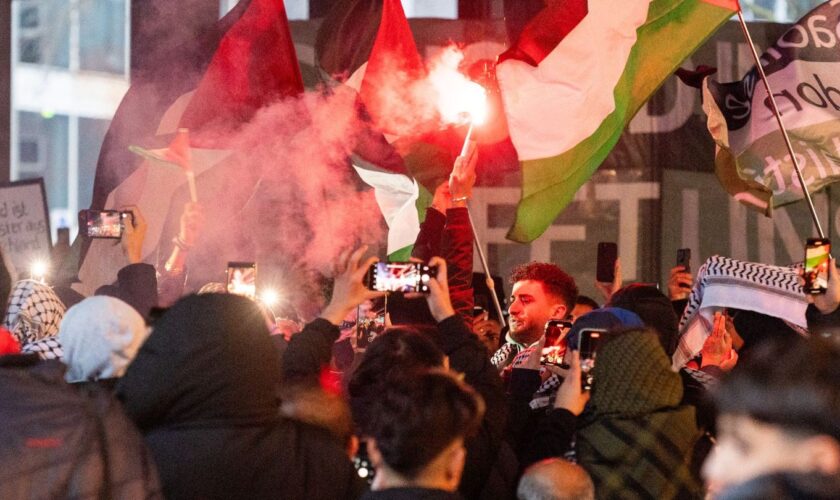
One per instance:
(541, 292)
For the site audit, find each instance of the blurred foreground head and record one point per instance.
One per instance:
(780, 419)
(417, 431)
(209, 357)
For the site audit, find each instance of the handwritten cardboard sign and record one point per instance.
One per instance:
(24, 223)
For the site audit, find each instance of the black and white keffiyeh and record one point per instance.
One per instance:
(504, 355)
(34, 312)
(46, 348)
(723, 282)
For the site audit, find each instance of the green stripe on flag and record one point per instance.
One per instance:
(549, 184)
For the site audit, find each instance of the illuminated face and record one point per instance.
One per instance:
(747, 448)
(530, 309)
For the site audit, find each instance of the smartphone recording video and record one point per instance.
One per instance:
(589, 341)
(103, 223)
(817, 254)
(552, 355)
(556, 330)
(401, 277)
(242, 278)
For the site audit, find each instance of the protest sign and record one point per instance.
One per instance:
(24, 223)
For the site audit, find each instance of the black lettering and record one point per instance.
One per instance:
(19, 210)
(800, 90)
(827, 91)
(788, 95)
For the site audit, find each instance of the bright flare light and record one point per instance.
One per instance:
(460, 100)
(270, 297)
(38, 271)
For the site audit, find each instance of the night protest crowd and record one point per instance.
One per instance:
(147, 390)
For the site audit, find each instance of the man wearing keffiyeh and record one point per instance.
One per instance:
(541, 292)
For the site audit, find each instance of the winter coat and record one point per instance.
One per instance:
(203, 390)
(59, 441)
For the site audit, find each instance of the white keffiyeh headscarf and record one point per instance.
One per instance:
(34, 312)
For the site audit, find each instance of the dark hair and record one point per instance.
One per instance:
(585, 300)
(654, 308)
(398, 352)
(555, 281)
(790, 383)
(415, 418)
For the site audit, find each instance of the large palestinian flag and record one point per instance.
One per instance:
(213, 85)
(576, 76)
(752, 161)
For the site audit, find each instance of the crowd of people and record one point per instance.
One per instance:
(146, 390)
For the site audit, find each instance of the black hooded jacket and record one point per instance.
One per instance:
(203, 392)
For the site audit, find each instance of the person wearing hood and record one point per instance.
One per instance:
(630, 431)
(203, 391)
(100, 336)
(59, 442)
(533, 387)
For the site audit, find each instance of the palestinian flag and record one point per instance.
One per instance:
(211, 86)
(383, 65)
(576, 76)
(752, 162)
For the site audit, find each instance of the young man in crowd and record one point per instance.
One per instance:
(779, 424)
(541, 292)
(417, 436)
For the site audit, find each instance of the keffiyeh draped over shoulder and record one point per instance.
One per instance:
(34, 312)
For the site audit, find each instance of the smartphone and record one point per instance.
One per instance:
(401, 277)
(552, 355)
(556, 330)
(817, 254)
(684, 259)
(589, 341)
(607, 254)
(103, 223)
(242, 278)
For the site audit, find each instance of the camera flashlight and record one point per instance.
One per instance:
(270, 297)
(38, 271)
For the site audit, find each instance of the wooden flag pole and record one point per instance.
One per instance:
(781, 123)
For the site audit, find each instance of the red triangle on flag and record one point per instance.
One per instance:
(393, 65)
(254, 65)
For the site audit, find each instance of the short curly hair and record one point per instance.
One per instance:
(555, 281)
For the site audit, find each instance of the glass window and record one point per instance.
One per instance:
(43, 34)
(42, 152)
(102, 29)
(777, 10)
